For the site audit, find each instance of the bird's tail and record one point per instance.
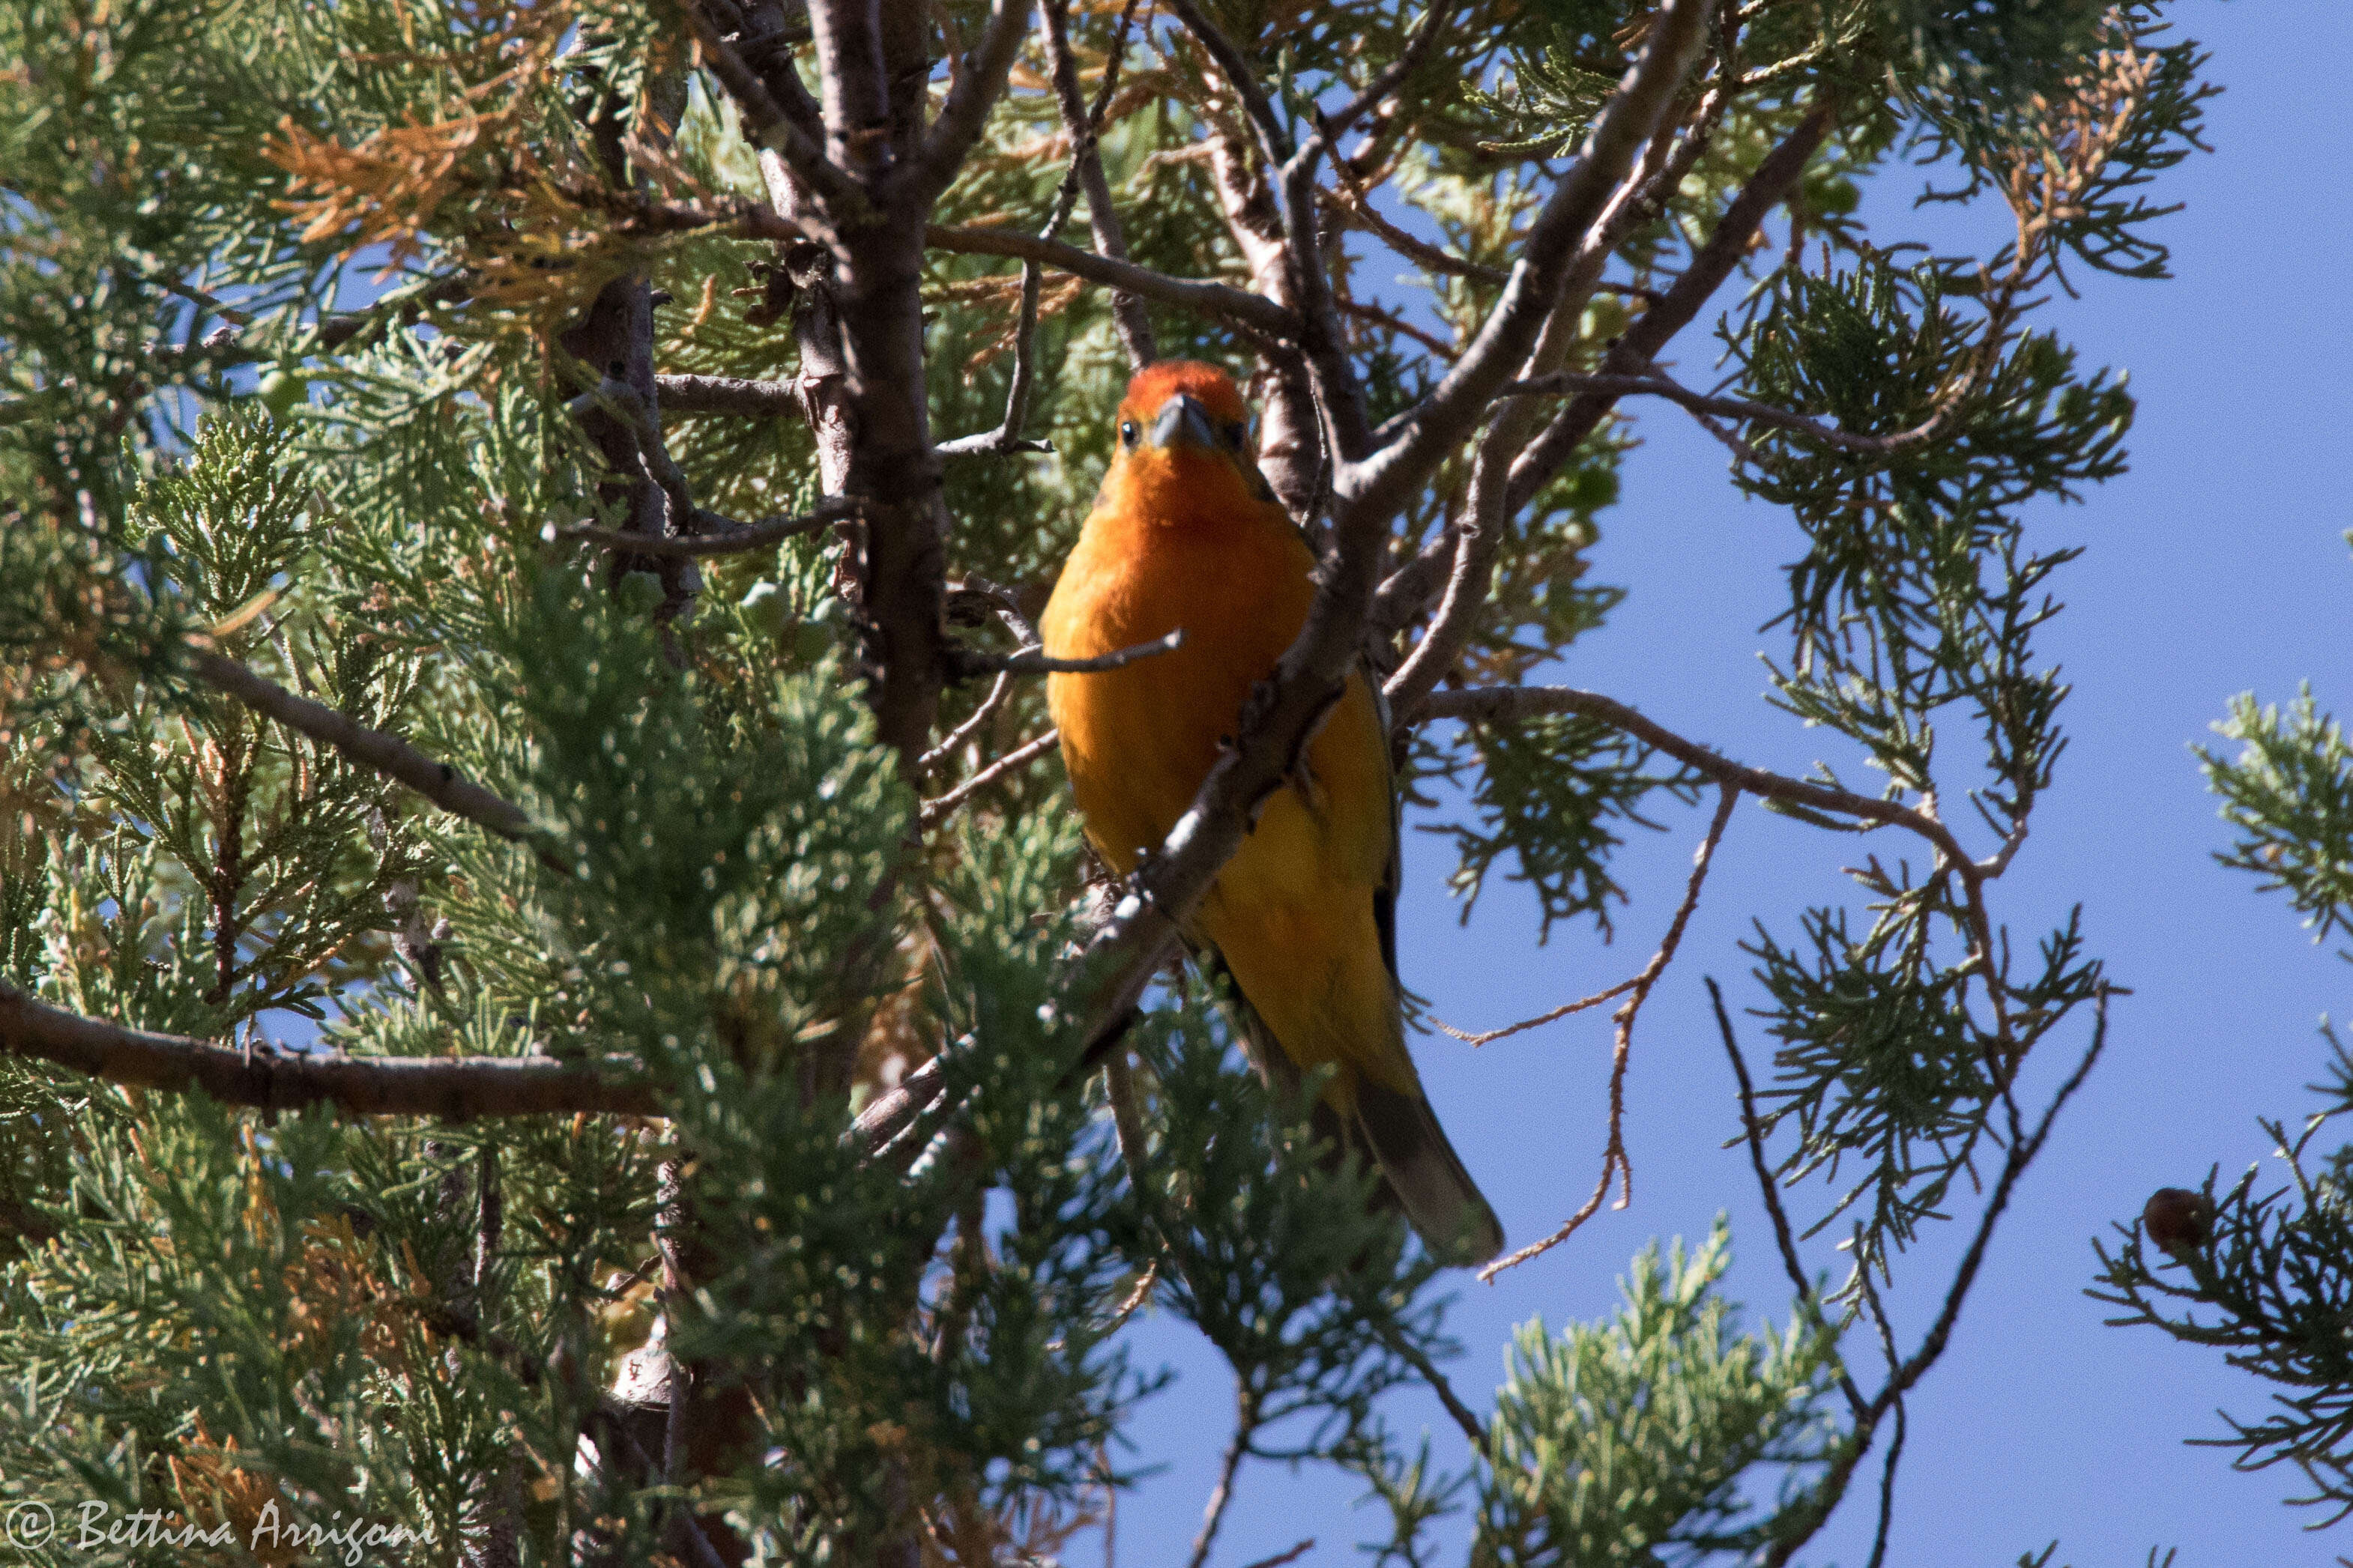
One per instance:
(1437, 1193)
(1421, 1174)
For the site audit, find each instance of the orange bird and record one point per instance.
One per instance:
(1186, 534)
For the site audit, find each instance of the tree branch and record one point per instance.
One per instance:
(1383, 482)
(728, 394)
(371, 749)
(1085, 126)
(454, 1087)
(973, 90)
(1614, 1159)
(1726, 246)
(1216, 300)
(772, 126)
(1656, 385)
(1034, 661)
(935, 812)
(1507, 703)
(1784, 1236)
(732, 538)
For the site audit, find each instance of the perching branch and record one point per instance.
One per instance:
(456, 1088)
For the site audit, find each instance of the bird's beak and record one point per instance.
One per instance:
(1182, 422)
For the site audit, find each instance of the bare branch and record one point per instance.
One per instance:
(975, 89)
(1657, 386)
(1034, 661)
(1383, 482)
(371, 749)
(1329, 128)
(1581, 1005)
(1614, 1158)
(1350, 203)
(1412, 1356)
(454, 1087)
(1085, 126)
(1245, 1427)
(1784, 1236)
(1216, 300)
(1726, 246)
(731, 538)
(772, 126)
(935, 812)
(728, 394)
(1241, 79)
(1504, 703)
(1006, 438)
(970, 726)
(1291, 172)
(1281, 1558)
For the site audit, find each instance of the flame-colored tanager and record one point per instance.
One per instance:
(1186, 534)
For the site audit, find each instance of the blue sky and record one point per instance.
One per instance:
(2216, 566)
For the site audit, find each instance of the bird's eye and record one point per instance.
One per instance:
(1235, 435)
(1127, 432)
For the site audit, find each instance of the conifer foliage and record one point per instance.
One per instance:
(551, 1000)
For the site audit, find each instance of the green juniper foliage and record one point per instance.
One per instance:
(2267, 1274)
(377, 753)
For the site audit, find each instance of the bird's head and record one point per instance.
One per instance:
(1184, 441)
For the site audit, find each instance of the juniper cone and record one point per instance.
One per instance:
(2177, 1220)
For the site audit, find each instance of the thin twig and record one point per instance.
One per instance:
(1614, 1160)
(1084, 125)
(1462, 1413)
(1280, 1558)
(1656, 385)
(1350, 202)
(1510, 702)
(934, 811)
(1784, 1236)
(970, 726)
(1396, 323)
(1887, 1491)
(1218, 300)
(1541, 1020)
(1006, 438)
(1245, 1426)
(1035, 660)
(1727, 248)
(371, 749)
(731, 538)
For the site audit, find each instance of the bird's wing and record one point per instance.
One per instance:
(1385, 892)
